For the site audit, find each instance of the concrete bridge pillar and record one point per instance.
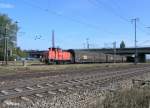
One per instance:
(141, 58)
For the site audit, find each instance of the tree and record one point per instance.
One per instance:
(11, 30)
(8, 29)
(122, 44)
(18, 52)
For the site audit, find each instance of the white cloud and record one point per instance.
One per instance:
(6, 5)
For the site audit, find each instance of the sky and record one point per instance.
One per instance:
(100, 21)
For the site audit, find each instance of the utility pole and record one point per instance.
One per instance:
(53, 39)
(6, 45)
(114, 47)
(87, 41)
(16, 29)
(135, 40)
(0, 31)
(1, 37)
(4, 36)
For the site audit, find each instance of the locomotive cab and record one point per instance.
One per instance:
(58, 56)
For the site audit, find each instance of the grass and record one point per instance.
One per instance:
(128, 98)
(36, 66)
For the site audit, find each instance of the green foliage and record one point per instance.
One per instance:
(122, 44)
(17, 52)
(8, 29)
(1, 53)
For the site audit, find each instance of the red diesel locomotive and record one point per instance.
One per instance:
(56, 56)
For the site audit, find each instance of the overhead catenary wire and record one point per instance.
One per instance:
(140, 22)
(142, 30)
(100, 4)
(115, 4)
(143, 43)
(108, 8)
(89, 25)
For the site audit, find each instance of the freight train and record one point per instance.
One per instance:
(59, 56)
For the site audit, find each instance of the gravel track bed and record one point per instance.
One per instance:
(64, 78)
(29, 74)
(39, 76)
(77, 98)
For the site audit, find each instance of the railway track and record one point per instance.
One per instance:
(68, 83)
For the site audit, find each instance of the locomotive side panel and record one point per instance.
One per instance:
(66, 56)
